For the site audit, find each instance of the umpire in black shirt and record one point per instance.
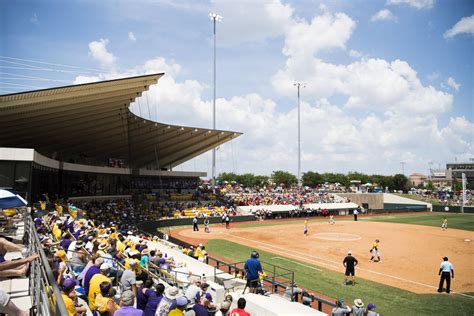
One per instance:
(350, 262)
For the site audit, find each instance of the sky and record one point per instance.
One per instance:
(387, 85)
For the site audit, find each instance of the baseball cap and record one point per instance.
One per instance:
(371, 306)
(208, 297)
(182, 301)
(445, 258)
(68, 284)
(128, 297)
(349, 252)
(104, 266)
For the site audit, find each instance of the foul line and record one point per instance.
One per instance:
(301, 264)
(299, 255)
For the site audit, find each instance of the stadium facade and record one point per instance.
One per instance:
(83, 140)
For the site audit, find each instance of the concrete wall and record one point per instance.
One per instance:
(374, 200)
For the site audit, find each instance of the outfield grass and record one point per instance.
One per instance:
(458, 221)
(389, 300)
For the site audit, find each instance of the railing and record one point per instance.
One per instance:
(43, 288)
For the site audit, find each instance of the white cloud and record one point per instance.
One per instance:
(417, 4)
(453, 84)
(243, 23)
(323, 32)
(373, 84)
(98, 51)
(387, 114)
(465, 25)
(132, 37)
(383, 15)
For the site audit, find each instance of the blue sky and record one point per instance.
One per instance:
(386, 81)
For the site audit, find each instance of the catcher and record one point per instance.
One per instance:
(375, 252)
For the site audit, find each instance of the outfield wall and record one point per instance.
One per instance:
(151, 226)
(453, 209)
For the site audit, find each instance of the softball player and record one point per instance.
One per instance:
(331, 220)
(444, 224)
(375, 252)
(306, 227)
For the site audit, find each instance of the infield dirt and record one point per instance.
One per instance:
(411, 254)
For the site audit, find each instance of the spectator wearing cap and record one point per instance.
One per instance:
(93, 270)
(154, 300)
(97, 279)
(69, 295)
(252, 268)
(370, 310)
(202, 305)
(181, 304)
(126, 305)
(240, 310)
(104, 302)
(358, 308)
(143, 293)
(168, 302)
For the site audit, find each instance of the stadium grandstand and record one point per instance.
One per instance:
(91, 170)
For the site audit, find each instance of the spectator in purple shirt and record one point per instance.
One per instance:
(95, 269)
(126, 305)
(154, 300)
(143, 293)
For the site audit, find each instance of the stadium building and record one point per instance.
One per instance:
(83, 140)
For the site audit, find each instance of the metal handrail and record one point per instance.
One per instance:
(44, 289)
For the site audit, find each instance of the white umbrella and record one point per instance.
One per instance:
(9, 200)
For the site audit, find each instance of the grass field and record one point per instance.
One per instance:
(458, 221)
(389, 300)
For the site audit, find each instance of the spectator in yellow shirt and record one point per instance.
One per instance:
(94, 285)
(104, 302)
(181, 304)
(69, 295)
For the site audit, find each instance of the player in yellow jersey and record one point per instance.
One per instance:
(375, 252)
(444, 224)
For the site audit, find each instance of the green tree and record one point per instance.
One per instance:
(284, 177)
(312, 179)
(260, 180)
(400, 182)
(228, 176)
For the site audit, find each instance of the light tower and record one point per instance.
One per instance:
(214, 18)
(299, 85)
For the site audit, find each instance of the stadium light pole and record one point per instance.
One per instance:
(214, 18)
(299, 85)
